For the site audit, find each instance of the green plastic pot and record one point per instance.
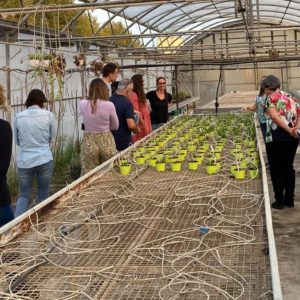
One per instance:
(147, 155)
(240, 174)
(212, 169)
(253, 173)
(176, 166)
(140, 160)
(160, 157)
(192, 148)
(193, 165)
(233, 169)
(160, 166)
(169, 158)
(183, 151)
(152, 162)
(125, 169)
(199, 159)
(201, 151)
(182, 157)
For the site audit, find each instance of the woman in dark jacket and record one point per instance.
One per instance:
(6, 214)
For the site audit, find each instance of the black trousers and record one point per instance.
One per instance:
(281, 157)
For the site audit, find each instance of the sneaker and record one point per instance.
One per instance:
(277, 205)
(289, 204)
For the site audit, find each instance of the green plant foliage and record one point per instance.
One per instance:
(66, 166)
(12, 181)
(40, 56)
(67, 160)
(182, 95)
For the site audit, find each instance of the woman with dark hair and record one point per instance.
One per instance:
(34, 130)
(283, 119)
(159, 101)
(99, 117)
(6, 214)
(138, 100)
(259, 106)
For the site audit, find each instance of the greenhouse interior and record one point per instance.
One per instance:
(148, 149)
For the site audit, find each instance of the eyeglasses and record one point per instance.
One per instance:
(162, 83)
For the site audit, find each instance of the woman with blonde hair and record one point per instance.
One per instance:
(99, 117)
(138, 100)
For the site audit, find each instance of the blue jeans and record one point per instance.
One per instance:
(43, 174)
(6, 214)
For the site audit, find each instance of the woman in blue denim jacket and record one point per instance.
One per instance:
(34, 130)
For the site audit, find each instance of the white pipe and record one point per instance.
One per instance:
(276, 285)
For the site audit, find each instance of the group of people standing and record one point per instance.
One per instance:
(113, 119)
(279, 117)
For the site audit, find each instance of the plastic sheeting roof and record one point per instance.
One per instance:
(191, 19)
(186, 15)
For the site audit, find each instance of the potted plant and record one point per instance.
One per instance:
(125, 167)
(40, 60)
(253, 171)
(96, 67)
(80, 60)
(211, 168)
(176, 166)
(240, 173)
(193, 164)
(160, 165)
(140, 160)
(152, 162)
(58, 64)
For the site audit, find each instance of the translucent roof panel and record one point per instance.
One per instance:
(160, 16)
(182, 16)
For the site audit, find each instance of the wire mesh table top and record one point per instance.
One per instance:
(146, 235)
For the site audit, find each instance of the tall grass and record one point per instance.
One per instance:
(66, 160)
(66, 165)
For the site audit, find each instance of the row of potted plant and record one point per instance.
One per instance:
(57, 61)
(196, 135)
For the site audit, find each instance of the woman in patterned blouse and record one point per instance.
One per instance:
(283, 119)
